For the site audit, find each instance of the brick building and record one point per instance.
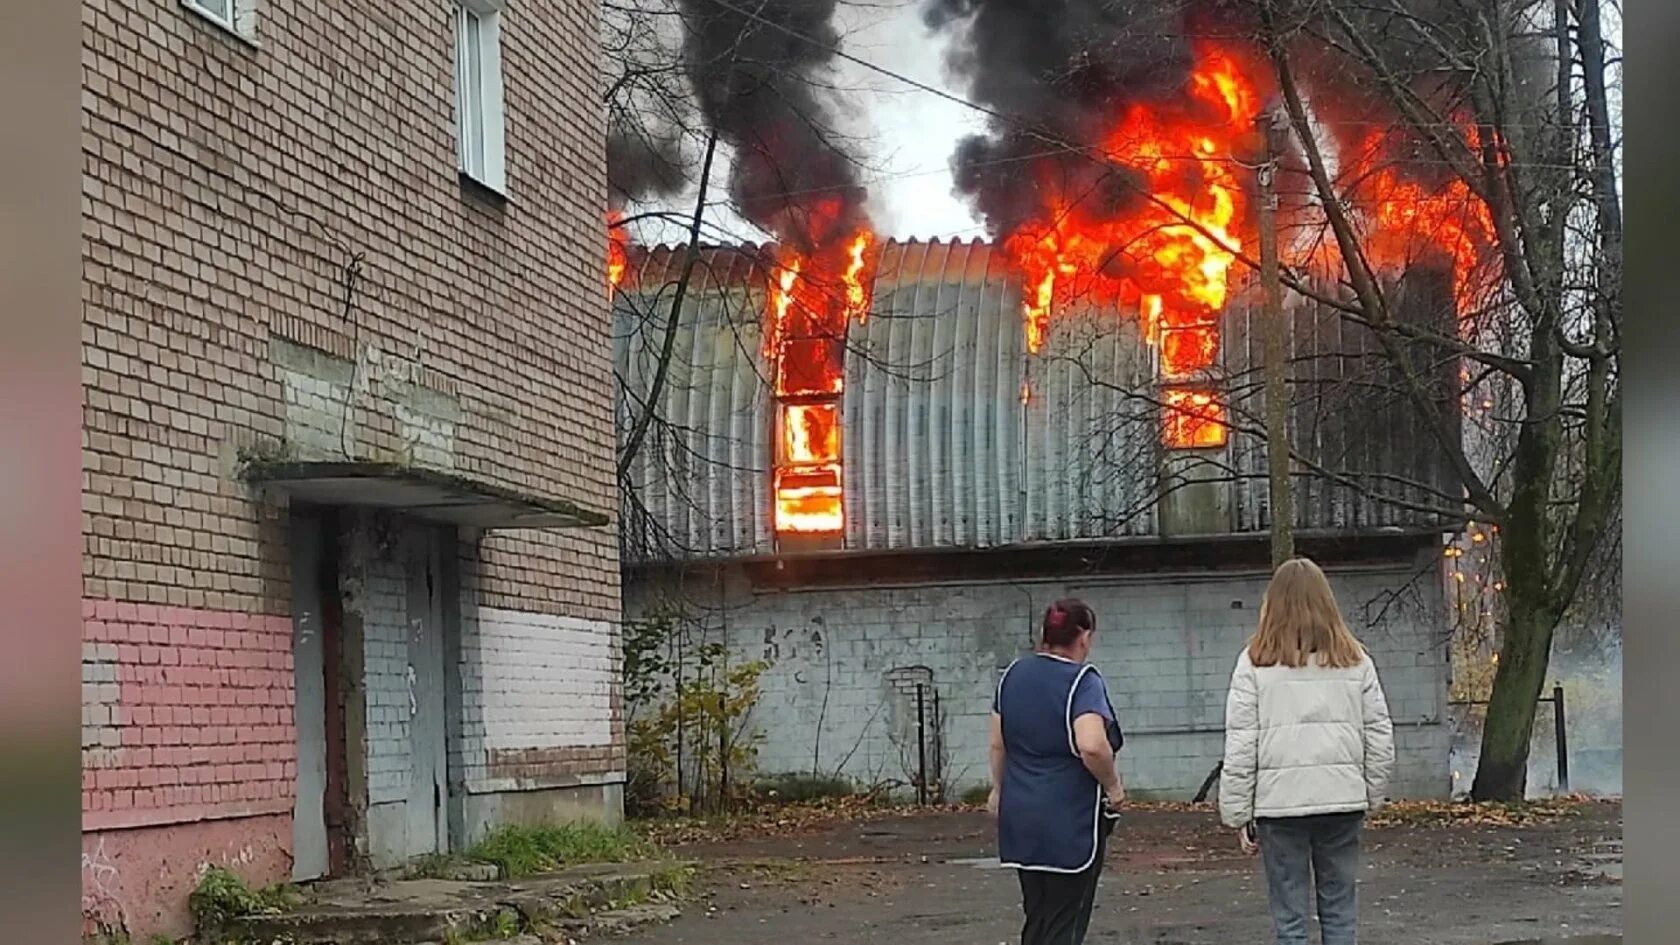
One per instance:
(351, 589)
(981, 481)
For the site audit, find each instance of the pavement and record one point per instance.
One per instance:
(1172, 877)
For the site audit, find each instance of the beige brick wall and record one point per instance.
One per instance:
(228, 187)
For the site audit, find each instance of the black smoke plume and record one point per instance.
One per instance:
(1060, 71)
(759, 68)
(641, 166)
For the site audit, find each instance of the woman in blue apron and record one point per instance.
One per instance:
(1055, 788)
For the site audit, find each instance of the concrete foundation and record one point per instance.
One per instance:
(135, 882)
(481, 813)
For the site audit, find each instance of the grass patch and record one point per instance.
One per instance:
(977, 796)
(222, 897)
(525, 851)
(802, 788)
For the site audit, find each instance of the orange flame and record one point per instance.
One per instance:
(1193, 419)
(812, 300)
(618, 250)
(811, 433)
(1173, 252)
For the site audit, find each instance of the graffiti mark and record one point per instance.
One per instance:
(99, 898)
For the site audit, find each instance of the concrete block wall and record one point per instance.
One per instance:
(1166, 645)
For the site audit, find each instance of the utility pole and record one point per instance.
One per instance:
(1275, 346)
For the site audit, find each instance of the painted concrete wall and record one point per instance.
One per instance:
(835, 696)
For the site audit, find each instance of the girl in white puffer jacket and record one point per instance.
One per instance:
(1308, 751)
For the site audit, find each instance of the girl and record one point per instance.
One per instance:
(1308, 750)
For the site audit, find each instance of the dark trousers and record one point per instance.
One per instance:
(1058, 905)
(1307, 854)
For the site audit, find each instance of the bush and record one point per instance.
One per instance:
(525, 851)
(222, 897)
(976, 796)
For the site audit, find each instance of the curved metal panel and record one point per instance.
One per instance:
(938, 448)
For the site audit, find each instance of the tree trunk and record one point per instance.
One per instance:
(1502, 771)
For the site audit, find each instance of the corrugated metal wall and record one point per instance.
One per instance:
(940, 449)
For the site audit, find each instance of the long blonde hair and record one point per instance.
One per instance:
(1299, 618)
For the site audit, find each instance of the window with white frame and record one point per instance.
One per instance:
(478, 93)
(236, 16)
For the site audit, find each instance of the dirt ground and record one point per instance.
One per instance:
(1171, 878)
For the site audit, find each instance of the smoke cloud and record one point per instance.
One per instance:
(762, 89)
(1065, 68)
(641, 166)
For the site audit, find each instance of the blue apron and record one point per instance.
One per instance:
(1049, 806)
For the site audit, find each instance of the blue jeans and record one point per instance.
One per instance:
(1302, 854)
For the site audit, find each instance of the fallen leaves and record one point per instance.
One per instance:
(1473, 814)
(779, 820)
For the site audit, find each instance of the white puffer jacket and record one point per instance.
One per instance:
(1307, 740)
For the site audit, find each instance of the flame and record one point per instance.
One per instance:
(857, 291)
(618, 250)
(1193, 419)
(811, 433)
(812, 299)
(1172, 251)
(1407, 220)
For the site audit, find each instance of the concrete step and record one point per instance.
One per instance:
(406, 912)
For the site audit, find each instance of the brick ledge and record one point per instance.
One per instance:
(170, 816)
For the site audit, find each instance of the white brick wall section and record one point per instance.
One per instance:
(539, 681)
(384, 610)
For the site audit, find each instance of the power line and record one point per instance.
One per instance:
(1061, 144)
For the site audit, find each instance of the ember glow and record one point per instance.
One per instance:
(811, 302)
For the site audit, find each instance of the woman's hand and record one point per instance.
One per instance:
(1246, 839)
(992, 802)
(1115, 797)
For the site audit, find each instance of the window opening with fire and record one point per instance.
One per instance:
(812, 301)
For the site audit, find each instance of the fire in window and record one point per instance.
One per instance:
(1192, 419)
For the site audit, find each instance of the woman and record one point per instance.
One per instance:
(1308, 750)
(1054, 786)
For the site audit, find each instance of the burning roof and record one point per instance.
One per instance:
(943, 428)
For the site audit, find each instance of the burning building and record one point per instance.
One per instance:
(948, 468)
(877, 461)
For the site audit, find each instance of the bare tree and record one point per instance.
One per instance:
(1509, 99)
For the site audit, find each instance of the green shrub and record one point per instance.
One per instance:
(977, 795)
(221, 897)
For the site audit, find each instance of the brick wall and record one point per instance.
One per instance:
(539, 701)
(377, 592)
(230, 190)
(186, 715)
(1166, 645)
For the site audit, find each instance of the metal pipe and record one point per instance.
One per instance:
(1562, 738)
(921, 748)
